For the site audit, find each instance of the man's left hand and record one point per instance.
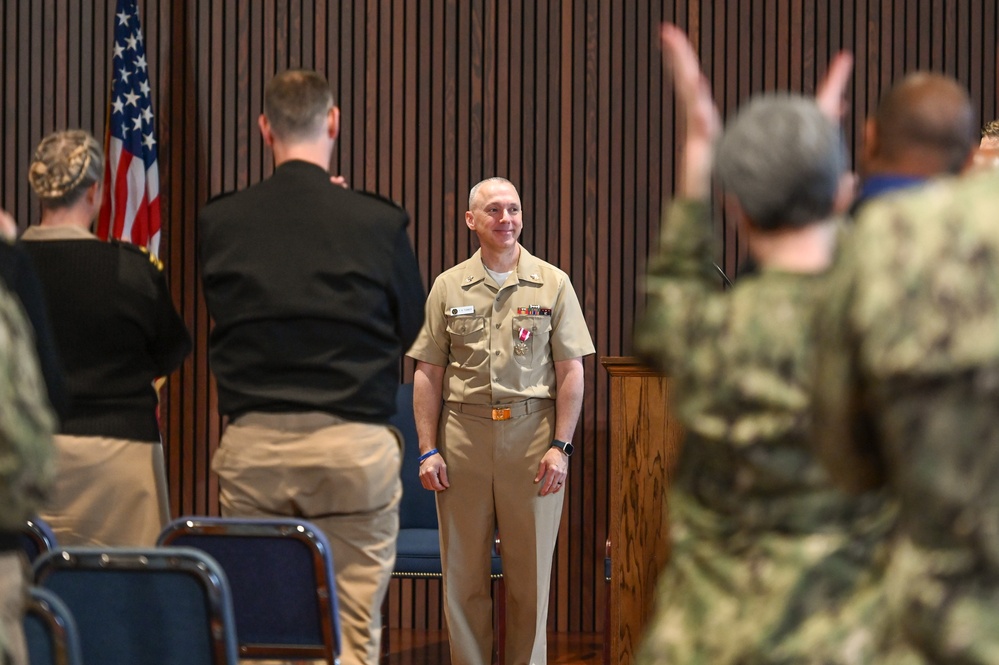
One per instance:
(552, 471)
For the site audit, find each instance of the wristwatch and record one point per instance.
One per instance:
(564, 446)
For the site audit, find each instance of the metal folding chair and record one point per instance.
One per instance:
(50, 631)
(36, 538)
(282, 580)
(155, 606)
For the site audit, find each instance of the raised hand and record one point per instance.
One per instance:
(702, 122)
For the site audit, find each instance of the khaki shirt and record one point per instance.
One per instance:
(498, 344)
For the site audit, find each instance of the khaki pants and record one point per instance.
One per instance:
(491, 467)
(343, 477)
(13, 596)
(108, 492)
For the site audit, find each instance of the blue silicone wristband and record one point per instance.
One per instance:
(429, 453)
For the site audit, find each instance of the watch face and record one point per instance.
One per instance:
(564, 446)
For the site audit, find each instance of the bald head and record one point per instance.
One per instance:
(925, 125)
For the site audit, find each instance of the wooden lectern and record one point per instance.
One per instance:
(645, 441)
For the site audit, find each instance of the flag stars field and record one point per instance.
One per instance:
(131, 209)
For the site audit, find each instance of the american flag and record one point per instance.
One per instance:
(131, 209)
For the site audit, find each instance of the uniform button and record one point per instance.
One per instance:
(498, 326)
(497, 353)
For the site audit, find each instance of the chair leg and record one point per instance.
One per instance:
(385, 632)
(607, 622)
(500, 619)
(607, 602)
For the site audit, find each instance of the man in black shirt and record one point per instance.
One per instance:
(315, 293)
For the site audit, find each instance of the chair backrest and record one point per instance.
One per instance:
(282, 580)
(155, 606)
(418, 509)
(50, 631)
(36, 538)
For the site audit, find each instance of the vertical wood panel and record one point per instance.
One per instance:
(565, 98)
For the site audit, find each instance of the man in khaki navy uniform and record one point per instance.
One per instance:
(498, 389)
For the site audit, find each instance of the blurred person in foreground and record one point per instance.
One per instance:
(316, 293)
(907, 399)
(26, 468)
(770, 562)
(116, 332)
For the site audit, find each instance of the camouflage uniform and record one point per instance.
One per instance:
(26, 471)
(770, 563)
(908, 394)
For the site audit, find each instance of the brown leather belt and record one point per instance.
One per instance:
(503, 411)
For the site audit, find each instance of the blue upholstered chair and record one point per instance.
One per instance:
(36, 538)
(155, 606)
(50, 631)
(281, 575)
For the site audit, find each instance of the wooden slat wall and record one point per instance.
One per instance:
(564, 98)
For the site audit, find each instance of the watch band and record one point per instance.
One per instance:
(564, 446)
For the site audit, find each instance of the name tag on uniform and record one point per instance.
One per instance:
(461, 311)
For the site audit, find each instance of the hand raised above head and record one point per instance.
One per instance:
(693, 93)
(701, 120)
(831, 93)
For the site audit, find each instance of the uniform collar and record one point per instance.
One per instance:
(528, 269)
(298, 167)
(64, 232)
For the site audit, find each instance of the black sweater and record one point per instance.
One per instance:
(315, 292)
(116, 330)
(18, 273)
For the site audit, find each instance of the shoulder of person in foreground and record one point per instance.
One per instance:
(931, 260)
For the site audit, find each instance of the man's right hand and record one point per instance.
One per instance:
(433, 473)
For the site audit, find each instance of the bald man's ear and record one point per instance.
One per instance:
(870, 148)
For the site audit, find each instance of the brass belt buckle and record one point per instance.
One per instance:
(501, 414)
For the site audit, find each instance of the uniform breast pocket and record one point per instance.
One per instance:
(530, 339)
(469, 339)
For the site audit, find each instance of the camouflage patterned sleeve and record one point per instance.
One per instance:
(26, 422)
(679, 278)
(843, 436)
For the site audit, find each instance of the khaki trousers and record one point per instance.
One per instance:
(108, 492)
(491, 467)
(13, 597)
(342, 476)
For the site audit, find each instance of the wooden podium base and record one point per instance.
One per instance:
(645, 442)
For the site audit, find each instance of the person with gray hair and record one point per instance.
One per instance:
(116, 331)
(770, 563)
